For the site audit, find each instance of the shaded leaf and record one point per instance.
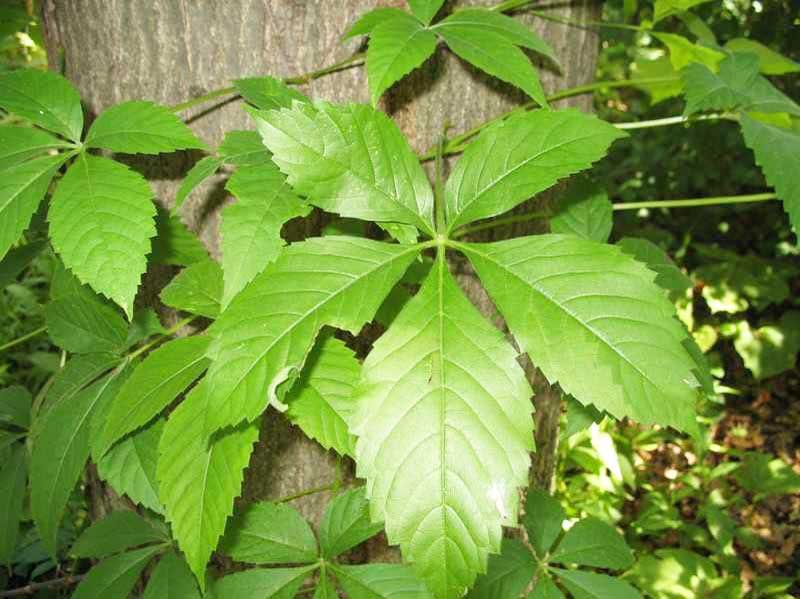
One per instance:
(17, 260)
(174, 243)
(543, 519)
(202, 170)
(15, 406)
(592, 542)
(18, 144)
(171, 579)
(346, 523)
(370, 20)
(13, 479)
(770, 62)
(114, 577)
(770, 349)
(380, 581)
(508, 573)
(116, 532)
(197, 289)
(668, 275)
(584, 211)
(267, 92)
(682, 52)
(243, 148)
(588, 585)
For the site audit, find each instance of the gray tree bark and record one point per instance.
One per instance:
(170, 50)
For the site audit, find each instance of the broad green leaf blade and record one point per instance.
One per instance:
(326, 589)
(114, 577)
(481, 20)
(668, 276)
(658, 78)
(262, 339)
(682, 52)
(196, 289)
(425, 10)
(346, 523)
(271, 583)
(764, 476)
(444, 434)
(18, 144)
(771, 349)
(493, 53)
(45, 99)
(145, 324)
(508, 574)
(171, 579)
(13, 479)
(17, 260)
(154, 384)
(101, 222)
(202, 170)
(321, 402)
(174, 243)
(514, 160)
(15, 406)
(77, 373)
(199, 478)
(592, 542)
(543, 519)
(60, 450)
(396, 47)
(351, 160)
(267, 93)
(667, 8)
(140, 127)
(588, 585)
(116, 532)
(380, 581)
(546, 589)
(770, 62)
(367, 22)
(269, 533)
(585, 211)
(243, 148)
(776, 150)
(251, 227)
(592, 319)
(130, 466)
(22, 188)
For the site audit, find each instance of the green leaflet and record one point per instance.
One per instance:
(171, 579)
(769, 349)
(202, 170)
(154, 384)
(546, 589)
(22, 188)
(251, 227)
(174, 243)
(18, 259)
(267, 92)
(668, 276)
(18, 144)
(508, 573)
(13, 478)
(379, 581)
(263, 337)
(130, 466)
(667, 8)
(196, 289)
(326, 589)
(592, 320)
(346, 523)
(199, 478)
(269, 533)
(243, 148)
(396, 47)
(273, 583)
(770, 62)
(776, 150)
(514, 160)
(588, 585)
(370, 20)
(669, 84)
(425, 10)
(101, 222)
(45, 99)
(682, 52)
(116, 532)
(114, 577)
(78, 372)
(15, 407)
(543, 519)
(320, 402)
(352, 160)
(592, 542)
(444, 433)
(140, 127)
(60, 450)
(584, 211)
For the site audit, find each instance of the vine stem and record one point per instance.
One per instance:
(33, 588)
(22, 339)
(305, 493)
(676, 120)
(351, 61)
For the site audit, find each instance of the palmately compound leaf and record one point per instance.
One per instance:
(116, 532)
(202, 170)
(370, 20)
(491, 49)
(321, 401)
(585, 211)
(425, 10)
(776, 151)
(130, 466)
(543, 519)
(171, 579)
(262, 339)
(13, 479)
(199, 478)
(154, 384)
(444, 433)
(22, 187)
(251, 227)
(396, 47)
(592, 542)
(346, 523)
(18, 144)
(592, 319)
(269, 533)
(262, 583)
(114, 577)
(267, 92)
(508, 573)
(45, 99)
(60, 450)
(514, 160)
(378, 581)
(351, 160)
(589, 585)
(140, 127)
(197, 289)
(101, 221)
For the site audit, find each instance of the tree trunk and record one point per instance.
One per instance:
(170, 50)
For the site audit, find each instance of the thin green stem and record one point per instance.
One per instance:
(512, 5)
(499, 222)
(696, 202)
(571, 23)
(23, 339)
(306, 493)
(353, 60)
(675, 120)
(168, 333)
